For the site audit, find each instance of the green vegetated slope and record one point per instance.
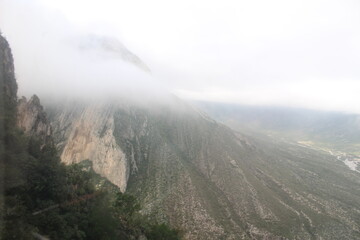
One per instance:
(215, 183)
(42, 198)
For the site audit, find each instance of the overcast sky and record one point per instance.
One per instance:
(289, 53)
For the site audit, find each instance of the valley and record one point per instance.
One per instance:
(349, 159)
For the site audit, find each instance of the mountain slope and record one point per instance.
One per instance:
(210, 181)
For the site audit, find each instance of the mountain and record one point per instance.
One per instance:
(206, 179)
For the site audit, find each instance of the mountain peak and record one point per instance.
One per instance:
(111, 47)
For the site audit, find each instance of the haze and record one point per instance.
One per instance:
(284, 53)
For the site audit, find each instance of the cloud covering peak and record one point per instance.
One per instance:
(290, 53)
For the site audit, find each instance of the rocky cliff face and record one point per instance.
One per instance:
(8, 91)
(207, 180)
(32, 119)
(8, 88)
(7, 75)
(86, 132)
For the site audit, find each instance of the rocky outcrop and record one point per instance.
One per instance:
(8, 91)
(32, 119)
(30, 115)
(7, 76)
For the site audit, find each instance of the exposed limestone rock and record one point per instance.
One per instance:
(32, 119)
(87, 133)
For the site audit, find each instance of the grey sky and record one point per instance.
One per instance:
(294, 53)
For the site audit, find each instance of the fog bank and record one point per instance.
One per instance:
(284, 53)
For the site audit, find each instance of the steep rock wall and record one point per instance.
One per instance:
(86, 132)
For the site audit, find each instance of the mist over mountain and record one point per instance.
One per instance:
(40, 197)
(109, 122)
(292, 54)
(107, 47)
(66, 61)
(202, 177)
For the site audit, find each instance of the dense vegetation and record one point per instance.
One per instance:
(42, 196)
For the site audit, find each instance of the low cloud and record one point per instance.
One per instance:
(54, 58)
(297, 54)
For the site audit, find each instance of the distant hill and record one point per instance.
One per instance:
(334, 129)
